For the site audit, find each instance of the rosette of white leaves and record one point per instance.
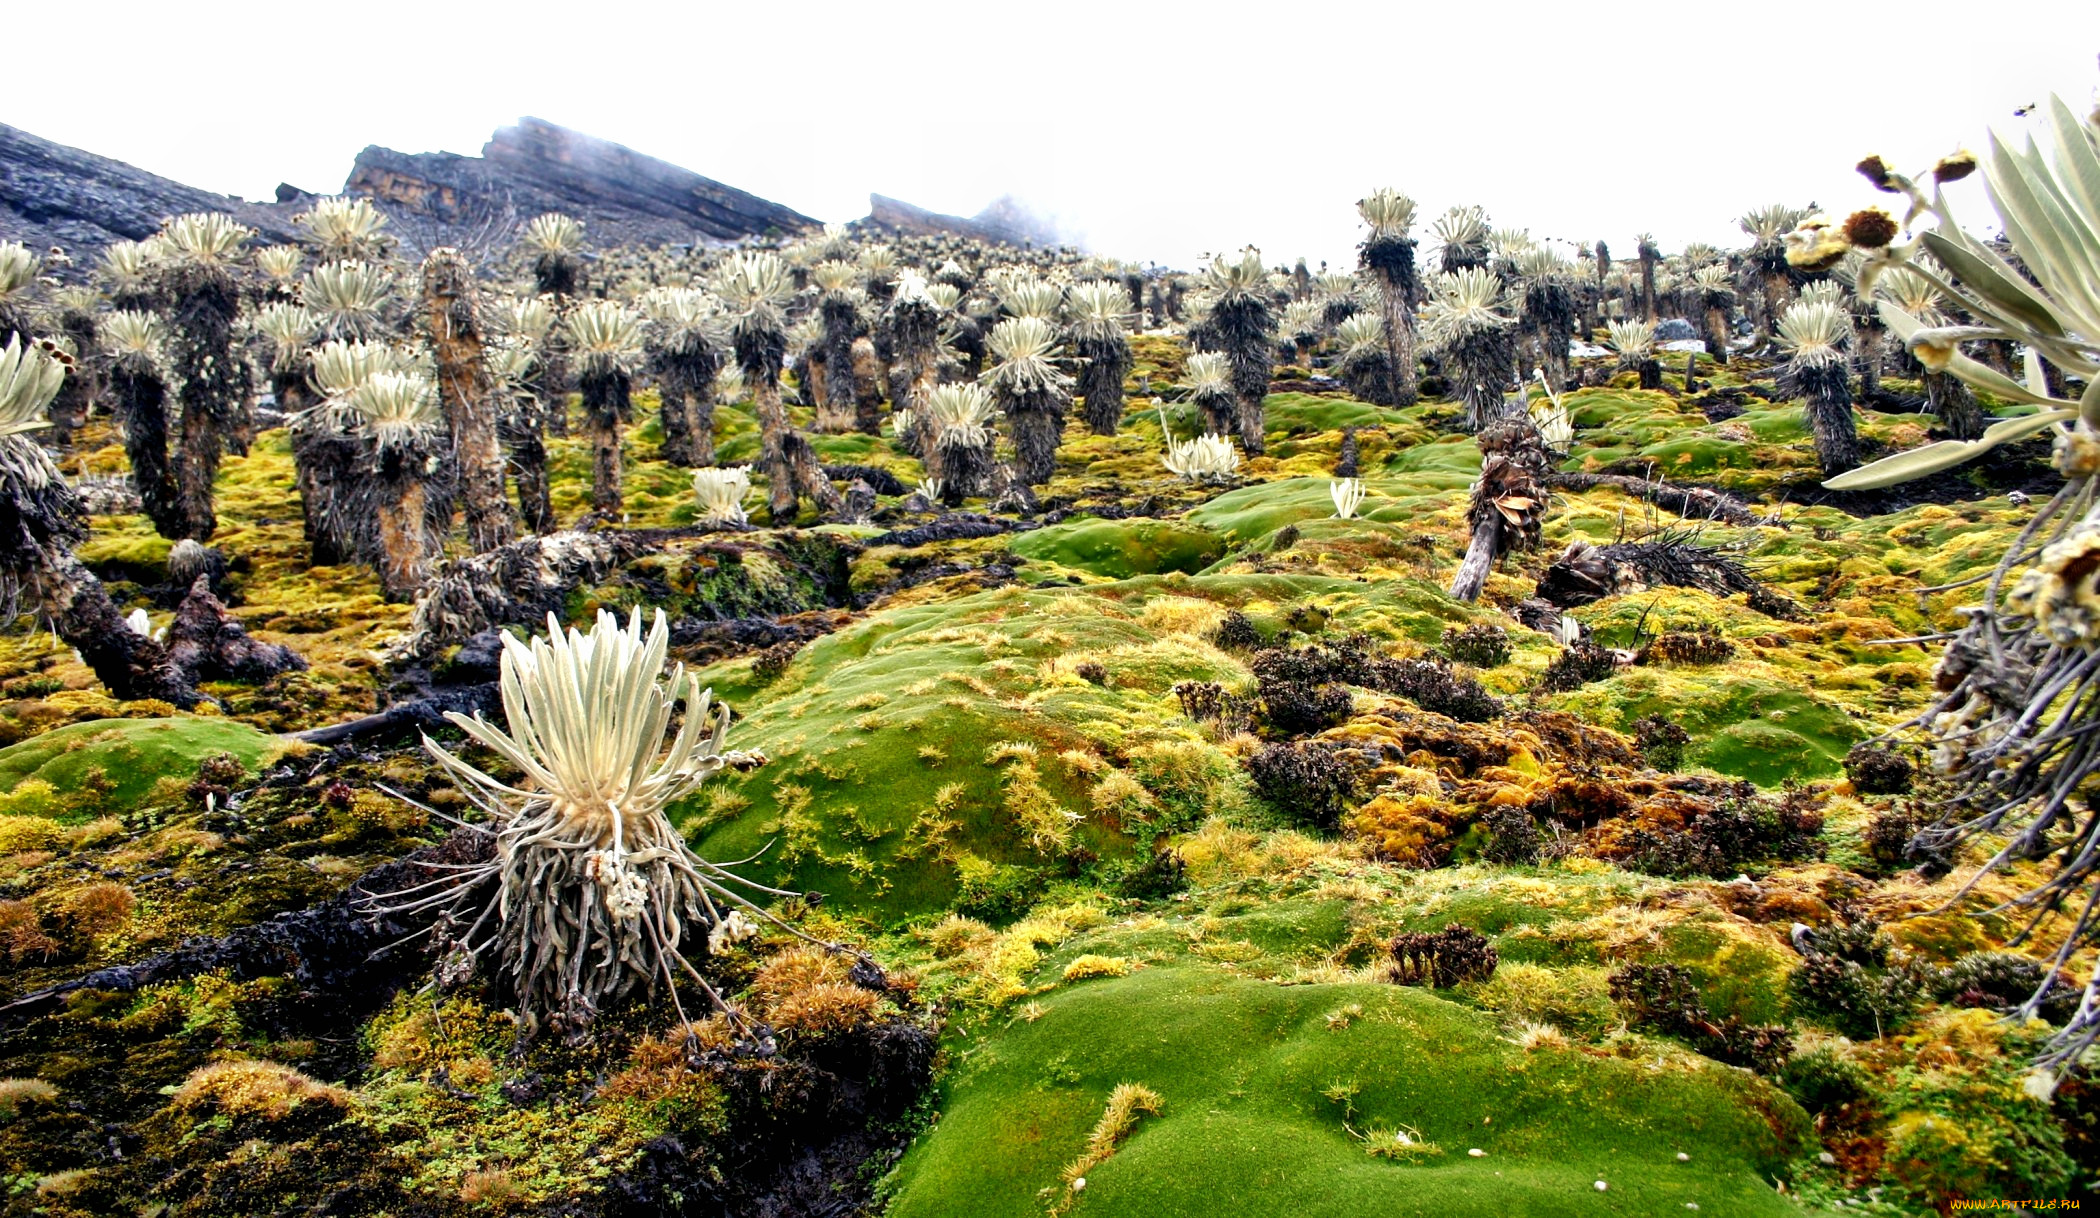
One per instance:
(1389, 213)
(1633, 340)
(1031, 298)
(131, 336)
(280, 264)
(1348, 495)
(605, 336)
(210, 238)
(397, 408)
(124, 265)
(1550, 415)
(18, 268)
(1207, 373)
(1100, 310)
(1816, 330)
(288, 328)
(29, 379)
(348, 298)
(1026, 349)
(755, 287)
(595, 889)
(1207, 458)
(346, 227)
(340, 366)
(721, 492)
(554, 233)
(1361, 335)
(528, 317)
(1462, 303)
(962, 415)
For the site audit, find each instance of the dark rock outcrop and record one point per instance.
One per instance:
(209, 644)
(536, 166)
(1005, 222)
(51, 194)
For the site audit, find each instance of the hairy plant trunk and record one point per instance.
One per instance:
(607, 402)
(468, 394)
(528, 472)
(1829, 411)
(963, 470)
(1716, 335)
(324, 472)
(1101, 380)
(1217, 413)
(400, 523)
(1036, 425)
(868, 375)
(82, 613)
(1871, 344)
(211, 384)
(1778, 290)
(140, 403)
(1370, 378)
(1949, 399)
(675, 411)
(836, 396)
(1650, 371)
(1482, 365)
(789, 463)
(551, 381)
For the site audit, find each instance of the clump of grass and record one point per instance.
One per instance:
(1126, 1104)
(1084, 967)
(1402, 1143)
(16, 1092)
(256, 1088)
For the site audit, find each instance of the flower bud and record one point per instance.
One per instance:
(1876, 170)
(1870, 228)
(1954, 167)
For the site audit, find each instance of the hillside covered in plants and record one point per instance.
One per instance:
(1508, 727)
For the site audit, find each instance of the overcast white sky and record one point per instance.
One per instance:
(1155, 130)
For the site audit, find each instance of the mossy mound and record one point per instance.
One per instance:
(1282, 1093)
(1119, 549)
(113, 764)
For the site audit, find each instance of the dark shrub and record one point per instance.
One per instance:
(1303, 710)
(1236, 633)
(767, 665)
(1305, 619)
(1665, 998)
(1745, 826)
(1824, 1081)
(1443, 958)
(1875, 770)
(1577, 666)
(1846, 981)
(1482, 646)
(1513, 837)
(1000, 896)
(1311, 781)
(1162, 874)
(1661, 742)
(1699, 645)
(2000, 981)
(1093, 672)
(1431, 685)
(1208, 702)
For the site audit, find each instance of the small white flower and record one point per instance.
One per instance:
(1683, 1157)
(1477, 1153)
(1079, 1185)
(1601, 1186)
